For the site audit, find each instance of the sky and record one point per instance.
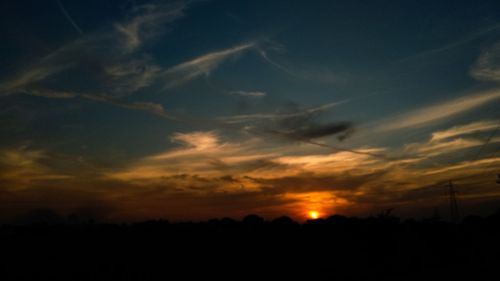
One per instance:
(188, 110)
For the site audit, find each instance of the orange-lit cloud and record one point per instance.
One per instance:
(20, 167)
(301, 180)
(466, 129)
(437, 112)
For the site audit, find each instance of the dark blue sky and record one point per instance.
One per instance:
(146, 108)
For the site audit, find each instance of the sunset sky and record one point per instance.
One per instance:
(188, 110)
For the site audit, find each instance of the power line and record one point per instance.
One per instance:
(486, 142)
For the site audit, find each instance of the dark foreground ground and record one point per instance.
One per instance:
(336, 248)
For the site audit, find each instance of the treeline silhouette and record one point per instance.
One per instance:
(334, 248)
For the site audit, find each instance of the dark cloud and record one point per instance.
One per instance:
(293, 122)
(313, 131)
(300, 124)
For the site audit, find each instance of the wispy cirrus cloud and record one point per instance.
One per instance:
(318, 74)
(465, 168)
(148, 22)
(202, 65)
(435, 148)
(50, 93)
(104, 74)
(47, 67)
(251, 94)
(278, 115)
(125, 78)
(461, 137)
(116, 71)
(21, 166)
(153, 108)
(459, 42)
(487, 66)
(200, 153)
(471, 128)
(111, 69)
(439, 111)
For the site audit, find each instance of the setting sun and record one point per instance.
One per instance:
(313, 215)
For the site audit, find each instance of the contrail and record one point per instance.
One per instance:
(70, 19)
(462, 41)
(264, 55)
(337, 148)
(320, 144)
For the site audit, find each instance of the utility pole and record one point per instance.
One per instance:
(454, 214)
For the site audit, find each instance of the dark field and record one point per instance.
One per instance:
(336, 248)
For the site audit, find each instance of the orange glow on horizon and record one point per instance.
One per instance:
(313, 215)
